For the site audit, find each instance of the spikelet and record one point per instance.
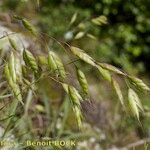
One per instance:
(73, 89)
(82, 80)
(118, 91)
(18, 69)
(30, 60)
(79, 35)
(56, 65)
(42, 60)
(91, 36)
(78, 114)
(17, 17)
(15, 88)
(7, 75)
(73, 19)
(139, 83)
(105, 73)
(24, 70)
(39, 108)
(75, 99)
(51, 62)
(12, 43)
(134, 103)
(111, 68)
(12, 67)
(17, 93)
(99, 20)
(60, 67)
(26, 24)
(65, 87)
(74, 94)
(29, 27)
(82, 55)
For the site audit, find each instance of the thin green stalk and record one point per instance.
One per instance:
(12, 111)
(66, 113)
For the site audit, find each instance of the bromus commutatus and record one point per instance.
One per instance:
(55, 68)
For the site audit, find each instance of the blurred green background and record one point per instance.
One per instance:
(124, 42)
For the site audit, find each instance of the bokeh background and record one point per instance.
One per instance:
(124, 41)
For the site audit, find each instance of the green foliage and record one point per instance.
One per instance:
(123, 41)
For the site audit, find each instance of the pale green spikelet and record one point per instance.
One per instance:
(78, 114)
(30, 60)
(82, 55)
(12, 43)
(79, 35)
(60, 67)
(75, 99)
(91, 36)
(26, 24)
(65, 87)
(82, 80)
(73, 19)
(134, 103)
(7, 75)
(18, 69)
(105, 73)
(139, 83)
(12, 67)
(74, 95)
(13, 85)
(55, 64)
(118, 91)
(29, 27)
(42, 60)
(17, 93)
(111, 68)
(100, 20)
(51, 62)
